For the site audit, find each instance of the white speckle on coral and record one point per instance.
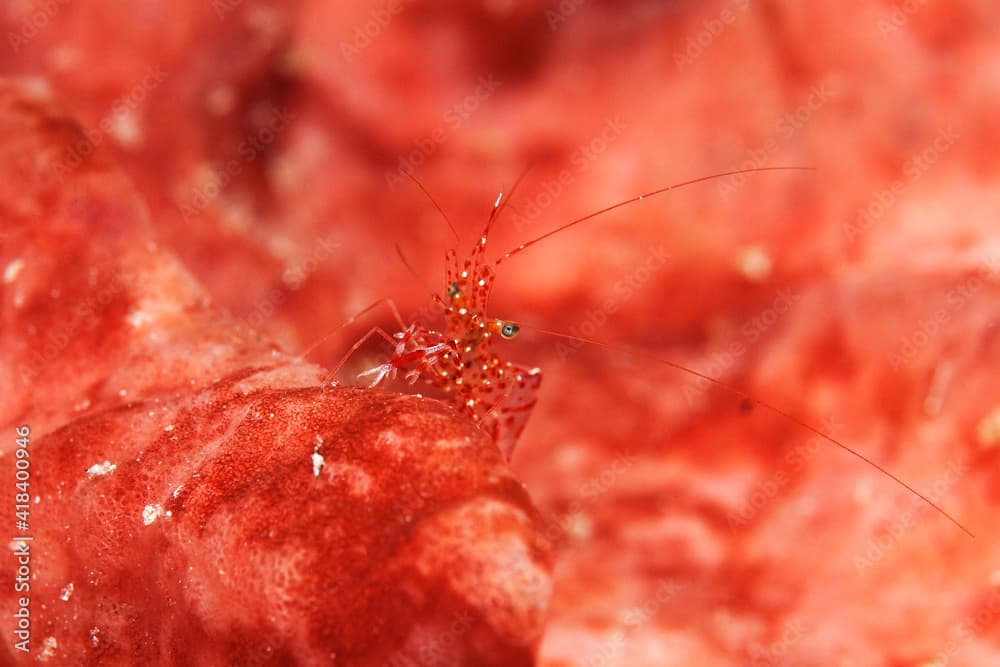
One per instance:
(317, 459)
(67, 592)
(151, 513)
(755, 264)
(578, 526)
(37, 87)
(99, 469)
(221, 100)
(138, 317)
(124, 128)
(82, 405)
(168, 428)
(177, 490)
(12, 271)
(95, 636)
(452, 443)
(64, 57)
(122, 392)
(988, 430)
(49, 647)
(318, 463)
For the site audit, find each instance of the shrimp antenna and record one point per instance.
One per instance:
(501, 201)
(416, 276)
(747, 398)
(675, 186)
(444, 215)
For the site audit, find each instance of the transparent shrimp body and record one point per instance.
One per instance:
(497, 394)
(461, 361)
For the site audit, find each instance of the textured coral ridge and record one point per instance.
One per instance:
(197, 498)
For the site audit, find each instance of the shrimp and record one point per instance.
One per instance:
(461, 361)
(499, 395)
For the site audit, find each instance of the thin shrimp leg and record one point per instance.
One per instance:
(382, 370)
(387, 301)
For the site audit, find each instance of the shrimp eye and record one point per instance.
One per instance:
(509, 330)
(453, 290)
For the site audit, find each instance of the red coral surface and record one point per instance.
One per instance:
(269, 142)
(194, 495)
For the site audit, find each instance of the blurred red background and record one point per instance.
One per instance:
(269, 141)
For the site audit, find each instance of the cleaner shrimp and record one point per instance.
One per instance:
(461, 361)
(499, 395)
